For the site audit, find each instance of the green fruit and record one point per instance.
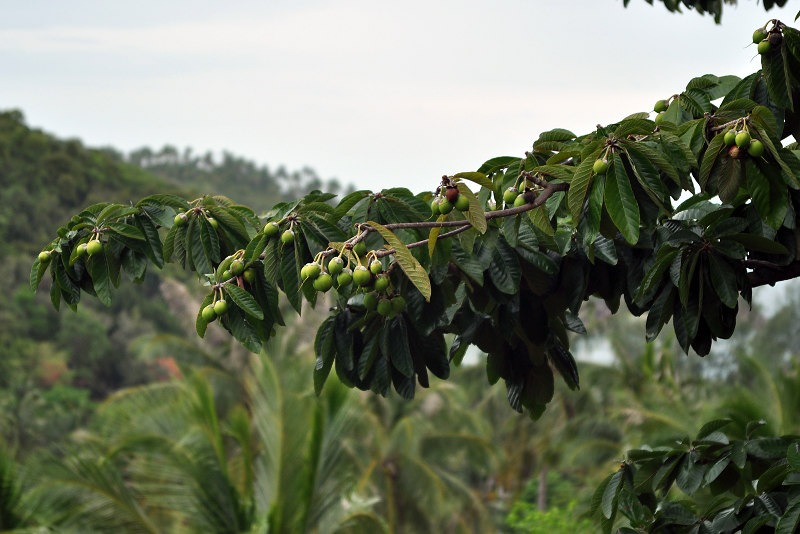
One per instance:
(398, 304)
(519, 201)
(435, 207)
(360, 248)
(600, 166)
(287, 236)
(445, 206)
(756, 148)
(180, 219)
(213, 222)
(742, 139)
(220, 307)
(81, 250)
(659, 118)
(226, 274)
(375, 267)
(94, 247)
(249, 276)
(759, 35)
(44, 256)
(310, 270)
(660, 107)
(462, 203)
(208, 313)
(385, 307)
(764, 47)
(370, 301)
(381, 283)
(730, 137)
(323, 282)
(510, 195)
(237, 267)
(271, 229)
(335, 266)
(345, 277)
(361, 276)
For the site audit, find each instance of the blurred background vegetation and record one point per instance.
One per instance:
(122, 420)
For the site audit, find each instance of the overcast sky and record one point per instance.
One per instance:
(379, 94)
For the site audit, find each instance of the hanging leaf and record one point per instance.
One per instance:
(620, 201)
(414, 271)
(244, 300)
(475, 215)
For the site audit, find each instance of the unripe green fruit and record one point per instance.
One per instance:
(94, 247)
(208, 313)
(659, 118)
(375, 267)
(310, 270)
(249, 275)
(435, 207)
(384, 307)
(756, 148)
(742, 139)
(600, 166)
(381, 283)
(510, 195)
(519, 201)
(180, 219)
(81, 250)
(220, 307)
(226, 274)
(764, 47)
(345, 277)
(213, 222)
(445, 206)
(660, 107)
(271, 229)
(335, 266)
(398, 304)
(287, 236)
(759, 35)
(44, 256)
(462, 203)
(360, 248)
(323, 282)
(361, 276)
(730, 137)
(370, 301)
(237, 267)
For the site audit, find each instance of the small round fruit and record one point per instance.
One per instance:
(742, 139)
(445, 206)
(271, 229)
(451, 194)
(81, 250)
(759, 35)
(519, 201)
(44, 256)
(180, 219)
(385, 307)
(756, 148)
(361, 276)
(360, 248)
(729, 138)
(323, 282)
(237, 267)
(208, 313)
(660, 107)
(462, 203)
(775, 38)
(370, 301)
(735, 152)
(345, 277)
(659, 118)
(335, 266)
(220, 307)
(375, 267)
(764, 47)
(213, 222)
(287, 236)
(381, 283)
(398, 304)
(310, 270)
(226, 274)
(249, 275)
(94, 247)
(510, 195)
(435, 207)
(600, 166)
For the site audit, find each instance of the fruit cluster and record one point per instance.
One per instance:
(767, 40)
(738, 140)
(447, 198)
(660, 108)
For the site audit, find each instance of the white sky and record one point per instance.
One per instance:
(379, 94)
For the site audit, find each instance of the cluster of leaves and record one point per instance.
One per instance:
(712, 7)
(736, 485)
(511, 279)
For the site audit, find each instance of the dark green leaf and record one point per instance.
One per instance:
(620, 201)
(244, 300)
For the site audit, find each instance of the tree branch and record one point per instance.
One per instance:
(768, 273)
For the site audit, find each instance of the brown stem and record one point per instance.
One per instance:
(769, 273)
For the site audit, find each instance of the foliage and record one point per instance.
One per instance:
(712, 7)
(524, 518)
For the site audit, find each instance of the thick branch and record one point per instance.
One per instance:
(769, 273)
